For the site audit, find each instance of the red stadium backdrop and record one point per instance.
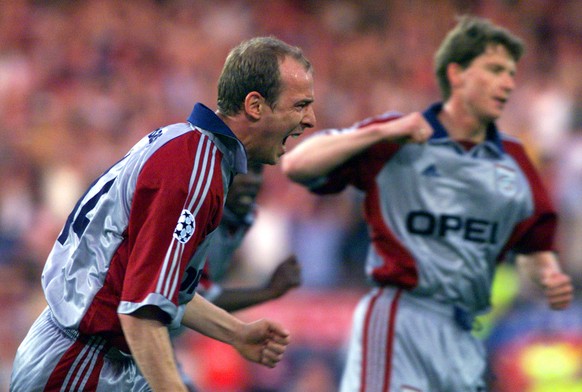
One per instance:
(319, 322)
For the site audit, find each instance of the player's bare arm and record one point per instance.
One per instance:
(262, 341)
(320, 154)
(545, 270)
(286, 276)
(150, 346)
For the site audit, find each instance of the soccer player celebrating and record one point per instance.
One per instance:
(123, 268)
(446, 196)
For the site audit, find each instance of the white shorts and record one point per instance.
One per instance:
(53, 359)
(406, 343)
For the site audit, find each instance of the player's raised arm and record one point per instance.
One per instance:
(320, 154)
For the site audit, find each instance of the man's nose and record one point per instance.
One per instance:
(509, 82)
(309, 119)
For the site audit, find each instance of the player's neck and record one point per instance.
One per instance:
(238, 124)
(460, 124)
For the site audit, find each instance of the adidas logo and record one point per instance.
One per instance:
(431, 171)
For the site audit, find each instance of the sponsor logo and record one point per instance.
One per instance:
(470, 229)
(185, 227)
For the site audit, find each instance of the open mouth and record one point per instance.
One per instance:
(292, 135)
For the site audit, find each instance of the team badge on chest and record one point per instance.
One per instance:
(505, 180)
(185, 227)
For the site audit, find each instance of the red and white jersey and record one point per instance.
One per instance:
(442, 214)
(131, 239)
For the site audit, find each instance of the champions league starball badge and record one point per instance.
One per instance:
(185, 227)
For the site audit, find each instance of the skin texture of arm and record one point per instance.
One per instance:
(544, 269)
(286, 276)
(150, 346)
(319, 155)
(262, 341)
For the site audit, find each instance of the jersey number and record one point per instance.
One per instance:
(79, 224)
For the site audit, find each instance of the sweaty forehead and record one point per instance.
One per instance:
(292, 71)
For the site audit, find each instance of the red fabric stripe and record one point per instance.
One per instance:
(59, 373)
(537, 233)
(390, 340)
(399, 267)
(365, 338)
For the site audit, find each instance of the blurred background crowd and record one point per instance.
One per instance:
(82, 81)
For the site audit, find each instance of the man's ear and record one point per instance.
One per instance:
(454, 72)
(254, 105)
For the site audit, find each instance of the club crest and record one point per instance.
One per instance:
(506, 180)
(185, 227)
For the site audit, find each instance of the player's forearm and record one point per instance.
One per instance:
(539, 264)
(210, 320)
(152, 351)
(319, 155)
(544, 269)
(236, 299)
